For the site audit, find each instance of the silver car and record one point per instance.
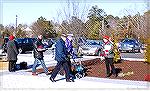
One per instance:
(91, 47)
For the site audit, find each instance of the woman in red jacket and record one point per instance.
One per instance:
(108, 55)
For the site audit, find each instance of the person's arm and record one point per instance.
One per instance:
(111, 50)
(15, 48)
(35, 46)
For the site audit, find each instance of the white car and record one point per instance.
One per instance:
(91, 48)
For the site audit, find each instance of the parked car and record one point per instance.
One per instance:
(4, 45)
(25, 44)
(130, 45)
(91, 47)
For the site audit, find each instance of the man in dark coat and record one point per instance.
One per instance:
(12, 52)
(61, 58)
(38, 55)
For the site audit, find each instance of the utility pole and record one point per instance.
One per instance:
(16, 26)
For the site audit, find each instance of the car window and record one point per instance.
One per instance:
(19, 40)
(131, 41)
(28, 40)
(25, 41)
(127, 41)
(91, 43)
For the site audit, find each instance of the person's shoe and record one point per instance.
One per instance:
(108, 75)
(12, 71)
(48, 73)
(115, 75)
(34, 74)
(69, 80)
(52, 79)
(72, 79)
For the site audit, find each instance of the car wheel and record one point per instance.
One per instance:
(139, 50)
(127, 51)
(120, 51)
(20, 50)
(134, 51)
(99, 53)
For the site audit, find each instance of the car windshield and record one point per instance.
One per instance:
(91, 43)
(19, 40)
(132, 41)
(28, 40)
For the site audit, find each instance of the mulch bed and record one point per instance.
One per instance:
(96, 68)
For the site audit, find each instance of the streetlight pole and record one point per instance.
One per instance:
(16, 26)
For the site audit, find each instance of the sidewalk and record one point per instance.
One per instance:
(24, 80)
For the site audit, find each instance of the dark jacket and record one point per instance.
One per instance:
(60, 50)
(38, 54)
(12, 50)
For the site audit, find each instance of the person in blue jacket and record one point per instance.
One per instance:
(61, 58)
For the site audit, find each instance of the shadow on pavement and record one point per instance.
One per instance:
(24, 66)
(60, 79)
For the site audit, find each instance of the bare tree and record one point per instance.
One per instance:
(73, 8)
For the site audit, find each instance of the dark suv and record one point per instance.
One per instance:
(25, 44)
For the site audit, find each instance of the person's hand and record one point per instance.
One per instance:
(102, 58)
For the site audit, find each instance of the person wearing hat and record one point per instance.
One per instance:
(108, 55)
(61, 58)
(12, 52)
(38, 55)
(70, 53)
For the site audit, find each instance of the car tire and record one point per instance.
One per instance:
(20, 50)
(133, 51)
(99, 53)
(127, 51)
(139, 50)
(120, 51)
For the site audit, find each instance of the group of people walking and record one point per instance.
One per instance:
(63, 53)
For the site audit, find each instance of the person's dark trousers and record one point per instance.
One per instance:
(109, 63)
(70, 70)
(60, 64)
(12, 65)
(69, 66)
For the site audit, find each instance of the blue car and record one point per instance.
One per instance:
(130, 45)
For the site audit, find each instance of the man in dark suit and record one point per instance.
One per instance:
(61, 58)
(12, 52)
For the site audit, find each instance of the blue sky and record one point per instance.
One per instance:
(28, 11)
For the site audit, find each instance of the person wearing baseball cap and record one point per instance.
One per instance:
(12, 52)
(108, 55)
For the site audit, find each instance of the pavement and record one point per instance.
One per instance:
(23, 80)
